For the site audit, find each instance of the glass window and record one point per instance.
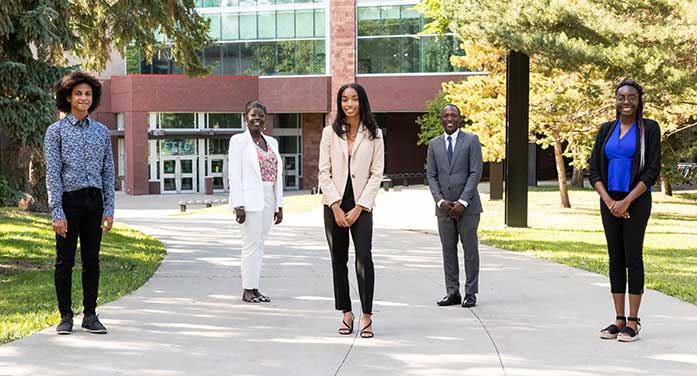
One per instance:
(248, 26)
(267, 25)
(288, 144)
(248, 2)
(287, 59)
(285, 20)
(209, 3)
(132, 60)
(161, 61)
(248, 64)
(229, 3)
(304, 21)
(409, 48)
(218, 146)
(265, 56)
(287, 121)
(175, 120)
(409, 20)
(145, 65)
(369, 21)
(320, 23)
(214, 31)
(436, 54)
(284, 1)
(231, 58)
(369, 56)
(176, 147)
(266, 2)
(319, 60)
(211, 58)
(224, 120)
(230, 26)
(390, 20)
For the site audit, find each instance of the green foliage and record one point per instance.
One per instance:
(128, 258)
(37, 36)
(579, 50)
(429, 123)
(9, 195)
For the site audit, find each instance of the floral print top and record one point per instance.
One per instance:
(268, 163)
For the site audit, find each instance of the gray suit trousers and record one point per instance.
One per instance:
(464, 230)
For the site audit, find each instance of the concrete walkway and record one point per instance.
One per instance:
(533, 317)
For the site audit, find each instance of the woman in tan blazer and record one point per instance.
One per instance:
(351, 163)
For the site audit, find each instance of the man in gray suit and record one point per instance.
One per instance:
(453, 171)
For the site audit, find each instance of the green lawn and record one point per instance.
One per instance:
(575, 236)
(27, 253)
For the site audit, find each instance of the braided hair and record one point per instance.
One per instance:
(639, 117)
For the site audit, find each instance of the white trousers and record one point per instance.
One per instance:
(254, 231)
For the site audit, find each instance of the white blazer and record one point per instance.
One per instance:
(245, 173)
(367, 165)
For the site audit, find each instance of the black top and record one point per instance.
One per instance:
(652, 155)
(348, 202)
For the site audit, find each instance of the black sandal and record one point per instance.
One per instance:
(253, 299)
(365, 333)
(612, 330)
(628, 334)
(348, 328)
(262, 298)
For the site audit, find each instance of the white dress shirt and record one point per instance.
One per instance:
(453, 140)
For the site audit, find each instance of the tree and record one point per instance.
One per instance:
(37, 36)
(651, 41)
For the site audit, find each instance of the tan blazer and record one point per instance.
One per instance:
(367, 165)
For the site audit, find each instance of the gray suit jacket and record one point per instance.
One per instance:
(457, 180)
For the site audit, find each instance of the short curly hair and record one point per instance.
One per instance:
(64, 87)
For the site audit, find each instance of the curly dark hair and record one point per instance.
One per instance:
(64, 87)
(366, 114)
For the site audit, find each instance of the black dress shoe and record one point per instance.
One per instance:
(470, 301)
(449, 300)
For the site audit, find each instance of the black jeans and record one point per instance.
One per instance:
(338, 239)
(625, 243)
(83, 210)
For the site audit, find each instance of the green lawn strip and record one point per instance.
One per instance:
(575, 236)
(27, 253)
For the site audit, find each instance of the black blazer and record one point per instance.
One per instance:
(652, 155)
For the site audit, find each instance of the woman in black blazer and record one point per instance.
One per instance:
(624, 165)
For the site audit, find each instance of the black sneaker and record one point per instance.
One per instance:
(91, 324)
(66, 325)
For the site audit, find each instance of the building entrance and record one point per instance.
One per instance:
(178, 174)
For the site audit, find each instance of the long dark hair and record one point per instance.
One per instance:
(367, 117)
(639, 117)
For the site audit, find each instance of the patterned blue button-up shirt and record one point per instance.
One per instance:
(78, 155)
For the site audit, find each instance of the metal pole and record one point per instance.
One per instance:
(517, 100)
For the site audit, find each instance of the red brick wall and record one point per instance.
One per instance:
(136, 143)
(295, 94)
(311, 132)
(343, 45)
(404, 93)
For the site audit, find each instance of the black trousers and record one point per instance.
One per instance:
(625, 243)
(338, 239)
(83, 210)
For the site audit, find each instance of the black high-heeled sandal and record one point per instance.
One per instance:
(262, 298)
(365, 332)
(612, 330)
(348, 328)
(628, 334)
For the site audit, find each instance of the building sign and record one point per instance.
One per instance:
(177, 147)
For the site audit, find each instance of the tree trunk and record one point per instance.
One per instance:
(666, 187)
(561, 175)
(577, 178)
(496, 181)
(37, 181)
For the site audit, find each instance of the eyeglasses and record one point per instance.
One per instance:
(630, 97)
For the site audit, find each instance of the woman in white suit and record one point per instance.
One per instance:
(351, 163)
(256, 194)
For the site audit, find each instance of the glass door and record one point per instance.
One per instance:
(217, 169)
(178, 175)
(290, 171)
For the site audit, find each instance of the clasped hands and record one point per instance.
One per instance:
(346, 219)
(60, 226)
(618, 208)
(241, 215)
(455, 208)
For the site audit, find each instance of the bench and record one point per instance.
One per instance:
(688, 171)
(390, 179)
(208, 203)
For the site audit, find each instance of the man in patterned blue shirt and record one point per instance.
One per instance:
(80, 184)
